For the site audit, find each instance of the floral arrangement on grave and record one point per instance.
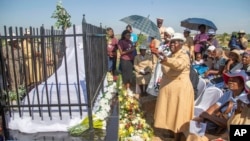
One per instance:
(132, 125)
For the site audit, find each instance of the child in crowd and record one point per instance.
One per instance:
(198, 59)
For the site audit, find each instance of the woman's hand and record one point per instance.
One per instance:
(206, 73)
(198, 119)
(162, 56)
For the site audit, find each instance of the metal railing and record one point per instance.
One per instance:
(32, 55)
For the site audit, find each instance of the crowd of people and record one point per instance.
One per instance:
(179, 56)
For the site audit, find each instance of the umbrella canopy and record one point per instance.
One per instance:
(193, 23)
(143, 24)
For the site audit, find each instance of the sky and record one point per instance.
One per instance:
(227, 15)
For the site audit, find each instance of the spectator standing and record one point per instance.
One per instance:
(133, 38)
(189, 43)
(243, 42)
(233, 44)
(126, 49)
(162, 29)
(112, 46)
(200, 39)
(173, 96)
(211, 38)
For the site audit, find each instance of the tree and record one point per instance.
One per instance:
(62, 16)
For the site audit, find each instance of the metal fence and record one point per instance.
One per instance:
(31, 55)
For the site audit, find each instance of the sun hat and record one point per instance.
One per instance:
(211, 32)
(211, 48)
(178, 36)
(170, 31)
(241, 32)
(238, 73)
(143, 47)
(237, 53)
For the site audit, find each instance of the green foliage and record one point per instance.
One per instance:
(142, 39)
(13, 95)
(62, 16)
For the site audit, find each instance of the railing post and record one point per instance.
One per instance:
(2, 96)
(87, 71)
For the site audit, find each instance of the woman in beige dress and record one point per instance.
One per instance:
(175, 102)
(143, 69)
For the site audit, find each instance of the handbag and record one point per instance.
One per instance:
(217, 122)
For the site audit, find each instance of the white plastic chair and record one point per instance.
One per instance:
(207, 99)
(201, 87)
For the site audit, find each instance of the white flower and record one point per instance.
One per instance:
(101, 114)
(105, 108)
(135, 121)
(103, 101)
(130, 93)
(134, 138)
(108, 95)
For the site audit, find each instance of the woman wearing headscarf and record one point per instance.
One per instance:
(126, 49)
(175, 102)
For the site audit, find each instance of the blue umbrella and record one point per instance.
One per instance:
(193, 23)
(143, 24)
